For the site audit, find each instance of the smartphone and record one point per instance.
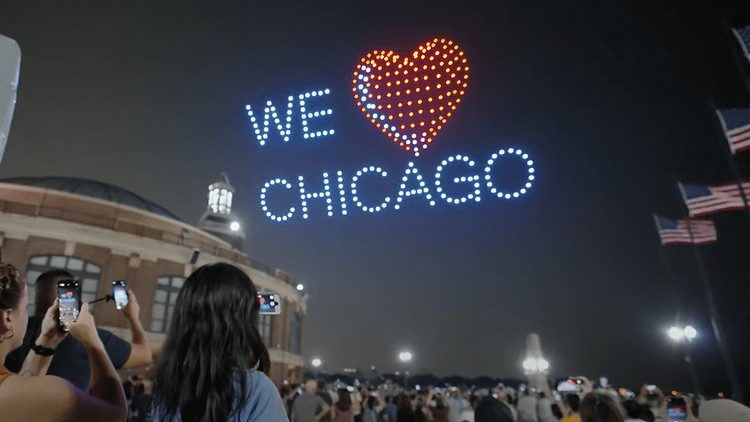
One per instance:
(120, 293)
(676, 409)
(570, 385)
(69, 300)
(270, 303)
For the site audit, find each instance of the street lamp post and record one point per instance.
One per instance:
(316, 363)
(688, 333)
(405, 357)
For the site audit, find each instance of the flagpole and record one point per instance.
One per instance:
(746, 79)
(713, 311)
(741, 60)
(732, 162)
(668, 273)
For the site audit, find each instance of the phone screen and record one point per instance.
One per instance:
(68, 295)
(120, 292)
(569, 385)
(676, 410)
(270, 303)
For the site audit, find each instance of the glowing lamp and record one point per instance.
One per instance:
(690, 332)
(675, 333)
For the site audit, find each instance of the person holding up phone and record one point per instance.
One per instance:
(48, 398)
(214, 363)
(69, 359)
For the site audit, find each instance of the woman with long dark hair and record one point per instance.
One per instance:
(405, 411)
(342, 410)
(600, 408)
(213, 365)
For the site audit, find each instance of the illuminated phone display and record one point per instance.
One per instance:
(120, 293)
(69, 300)
(270, 303)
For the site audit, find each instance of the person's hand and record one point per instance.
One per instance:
(585, 385)
(661, 399)
(51, 336)
(132, 310)
(641, 398)
(427, 413)
(83, 329)
(690, 416)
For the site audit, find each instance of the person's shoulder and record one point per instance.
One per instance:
(40, 393)
(260, 385)
(258, 377)
(45, 383)
(113, 341)
(105, 334)
(264, 401)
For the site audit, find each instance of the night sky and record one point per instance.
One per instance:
(610, 99)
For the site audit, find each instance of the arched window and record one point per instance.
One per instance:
(265, 327)
(87, 272)
(167, 290)
(295, 334)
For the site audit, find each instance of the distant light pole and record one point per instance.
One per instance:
(677, 335)
(316, 363)
(405, 357)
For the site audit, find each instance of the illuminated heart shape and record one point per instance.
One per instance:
(411, 98)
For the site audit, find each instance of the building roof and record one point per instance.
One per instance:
(93, 189)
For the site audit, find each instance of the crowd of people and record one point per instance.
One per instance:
(387, 402)
(213, 368)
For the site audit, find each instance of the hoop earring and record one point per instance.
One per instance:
(8, 336)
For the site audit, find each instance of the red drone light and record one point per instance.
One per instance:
(409, 124)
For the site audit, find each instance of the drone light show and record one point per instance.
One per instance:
(271, 114)
(410, 185)
(408, 99)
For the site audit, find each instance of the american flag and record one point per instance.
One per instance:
(676, 231)
(743, 35)
(703, 200)
(736, 123)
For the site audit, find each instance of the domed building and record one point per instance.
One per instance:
(100, 232)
